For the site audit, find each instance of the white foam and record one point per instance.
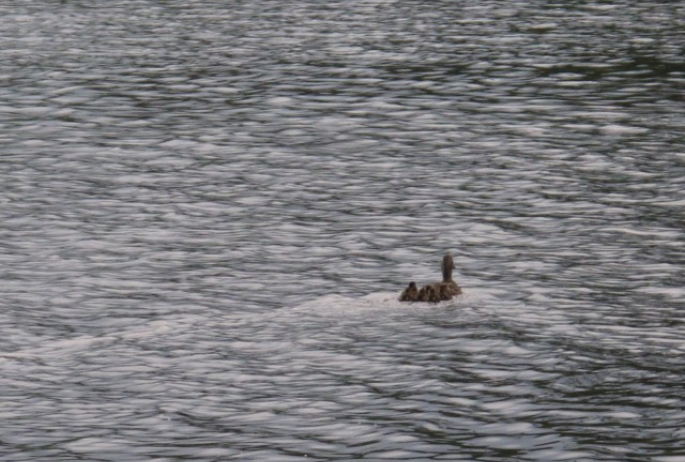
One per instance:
(620, 130)
(336, 304)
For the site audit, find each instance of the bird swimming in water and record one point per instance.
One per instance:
(429, 294)
(436, 291)
(410, 294)
(448, 287)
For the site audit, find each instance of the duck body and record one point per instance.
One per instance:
(436, 291)
(450, 289)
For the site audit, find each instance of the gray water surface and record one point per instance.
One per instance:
(208, 209)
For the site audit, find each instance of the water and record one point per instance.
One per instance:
(209, 208)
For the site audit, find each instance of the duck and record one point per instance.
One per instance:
(410, 294)
(429, 293)
(448, 286)
(436, 291)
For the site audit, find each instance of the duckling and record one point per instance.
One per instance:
(423, 294)
(433, 295)
(428, 293)
(410, 294)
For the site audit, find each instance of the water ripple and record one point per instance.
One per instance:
(208, 212)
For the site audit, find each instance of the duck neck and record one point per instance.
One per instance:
(447, 266)
(447, 275)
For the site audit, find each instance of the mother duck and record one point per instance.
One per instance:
(436, 291)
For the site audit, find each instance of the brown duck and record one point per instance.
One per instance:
(429, 294)
(410, 294)
(436, 291)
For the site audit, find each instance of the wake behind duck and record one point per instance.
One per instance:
(435, 291)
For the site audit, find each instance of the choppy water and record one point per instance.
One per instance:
(208, 209)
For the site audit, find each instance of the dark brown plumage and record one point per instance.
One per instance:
(410, 294)
(436, 291)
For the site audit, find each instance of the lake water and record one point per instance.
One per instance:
(208, 209)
